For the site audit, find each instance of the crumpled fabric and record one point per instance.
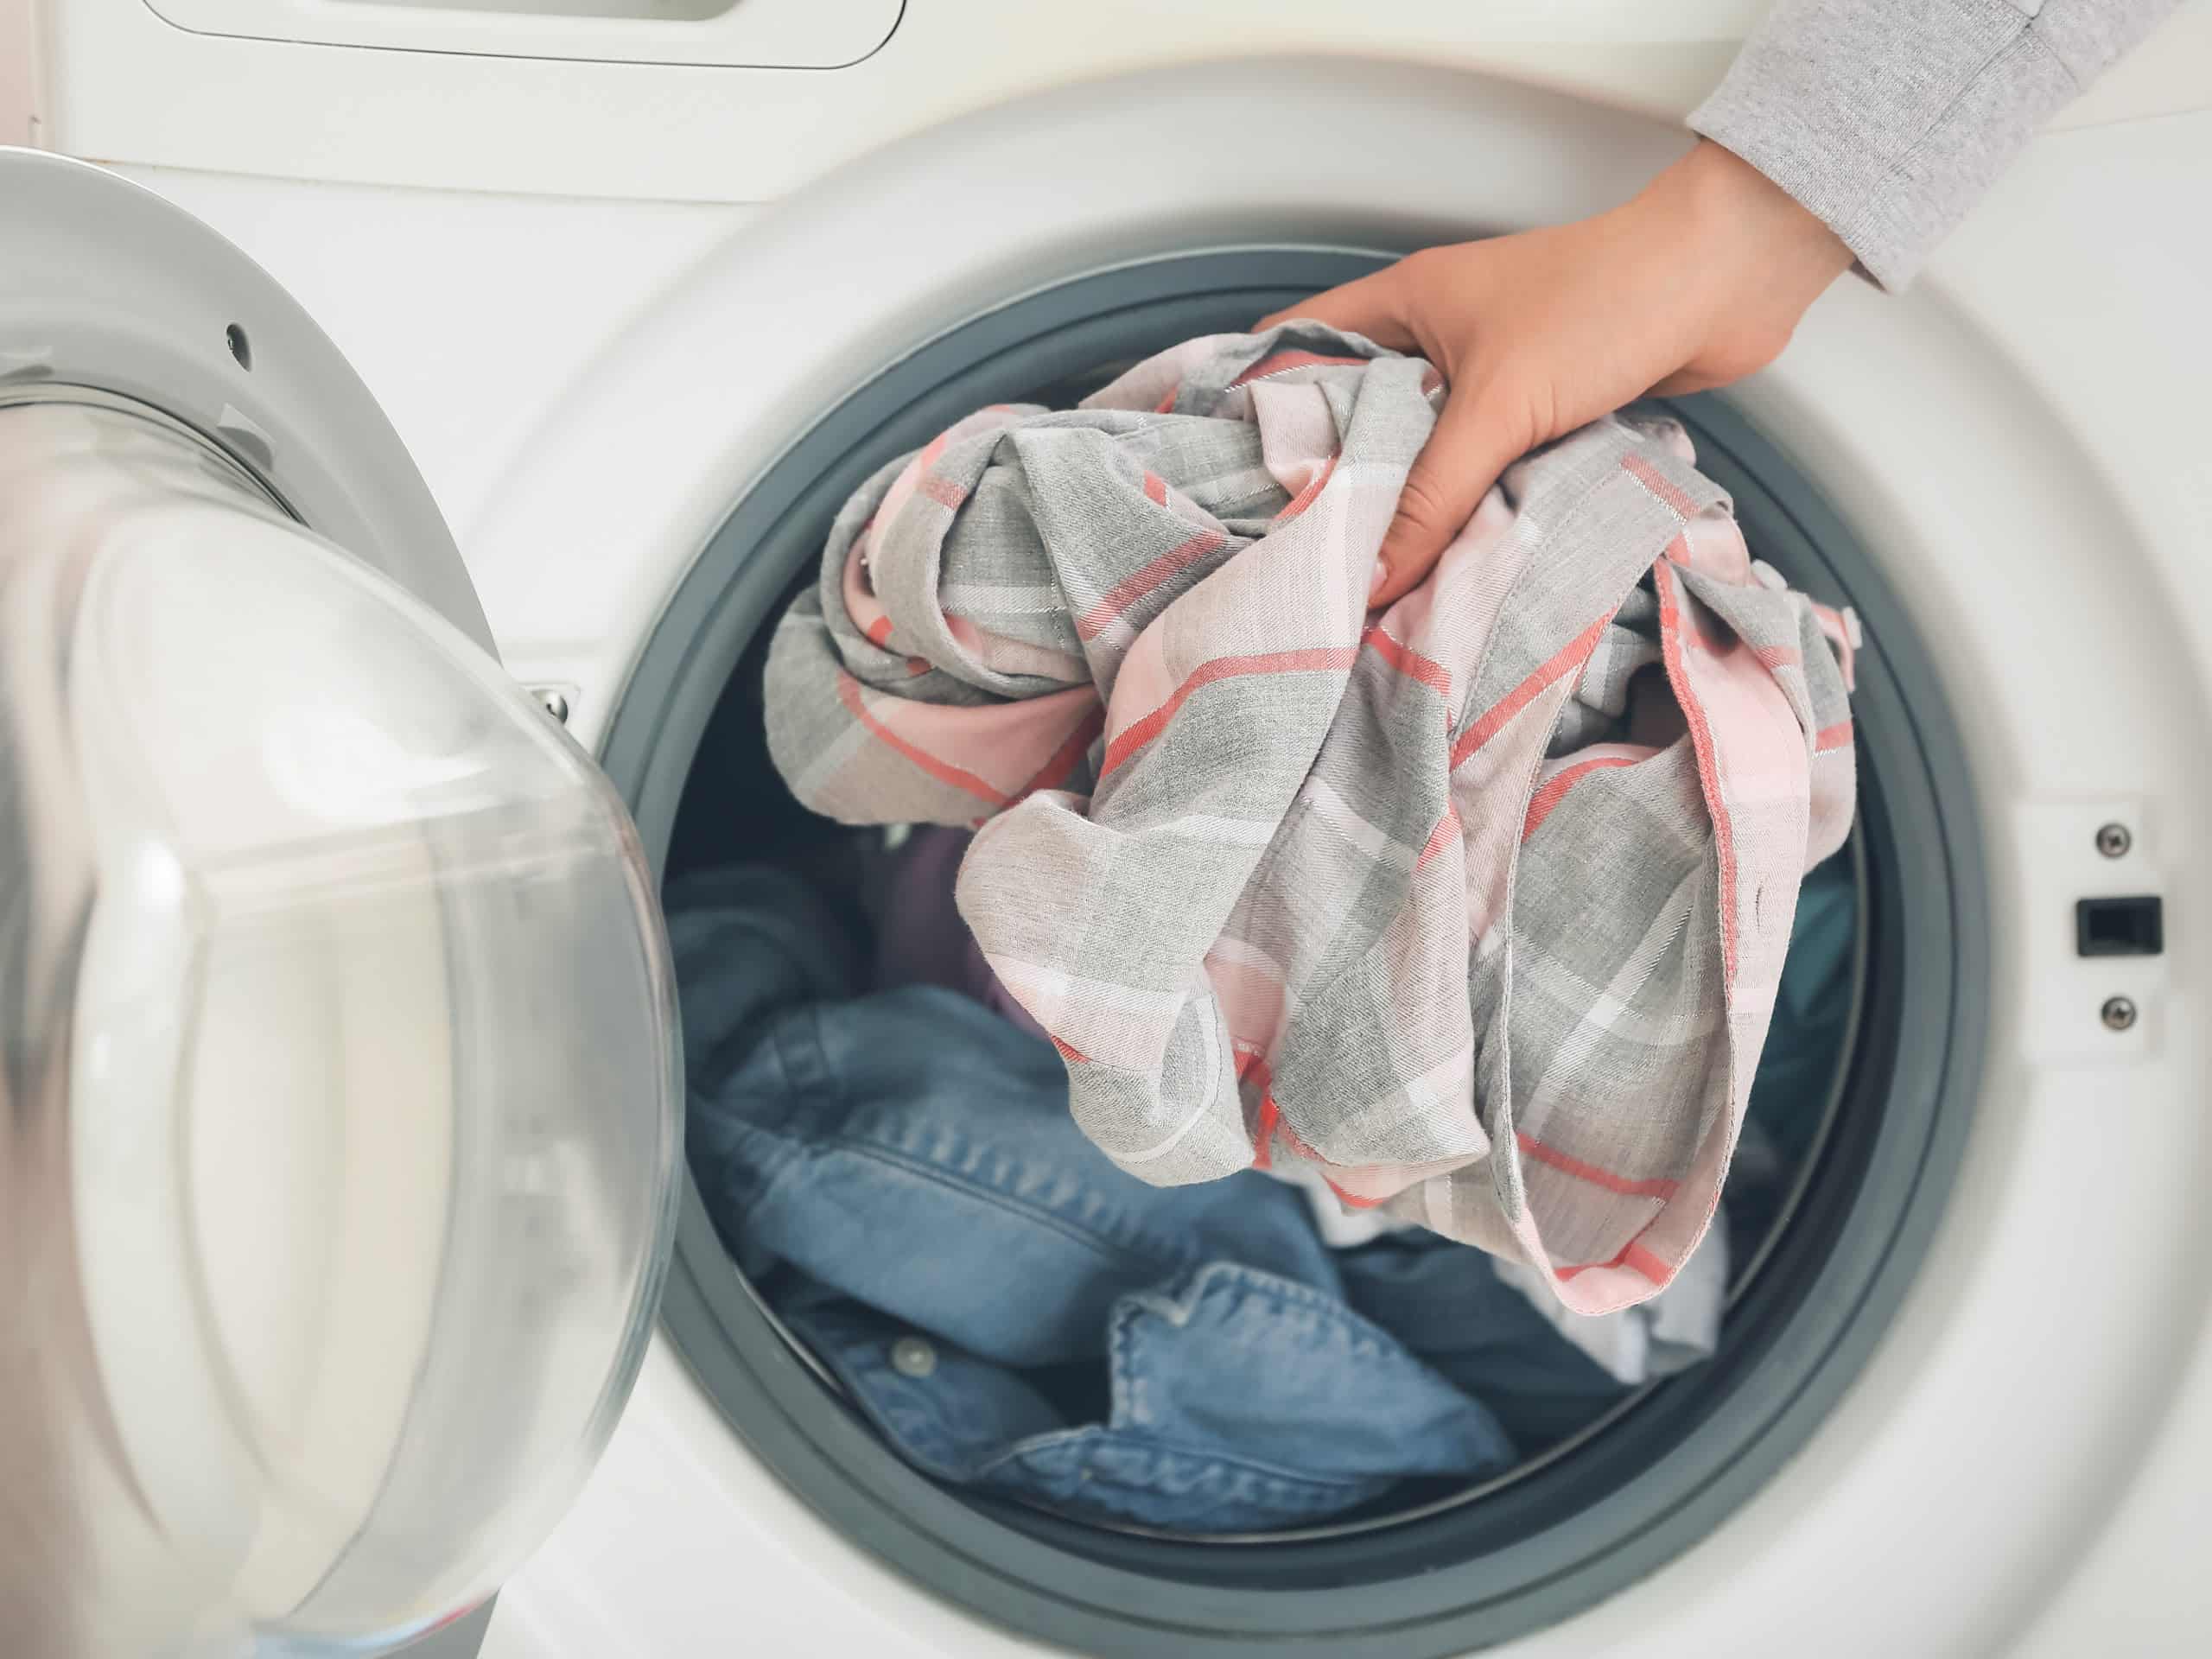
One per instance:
(907, 894)
(898, 1174)
(1477, 905)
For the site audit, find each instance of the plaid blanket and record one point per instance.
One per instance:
(1477, 905)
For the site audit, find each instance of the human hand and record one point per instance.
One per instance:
(1696, 281)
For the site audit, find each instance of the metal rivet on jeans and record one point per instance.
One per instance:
(911, 1357)
(2119, 1012)
(2113, 841)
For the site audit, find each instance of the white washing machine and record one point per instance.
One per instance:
(645, 291)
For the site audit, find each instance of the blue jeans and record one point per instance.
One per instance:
(1804, 1046)
(901, 1173)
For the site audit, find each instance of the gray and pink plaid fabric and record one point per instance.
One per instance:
(1477, 905)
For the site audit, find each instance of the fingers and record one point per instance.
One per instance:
(1478, 436)
(1370, 306)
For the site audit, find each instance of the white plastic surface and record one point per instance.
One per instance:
(2021, 1467)
(372, 1107)
(465, 314)
(124, 86)
(2051, 565)
(763, 34)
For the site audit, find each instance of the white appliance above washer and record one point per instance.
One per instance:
(744, 100)
(339, 1041)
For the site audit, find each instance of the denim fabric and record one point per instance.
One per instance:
(1453, 1310)
(1804, 1043)
(1188, 1357)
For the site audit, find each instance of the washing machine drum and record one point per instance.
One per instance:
(1429, 1570)
(340, 1079)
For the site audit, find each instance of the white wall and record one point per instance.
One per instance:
(18, 63)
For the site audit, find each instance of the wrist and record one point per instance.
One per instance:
(1738, 214)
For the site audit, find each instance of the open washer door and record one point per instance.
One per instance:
(339, 1111)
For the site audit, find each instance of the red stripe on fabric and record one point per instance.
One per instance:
(1659, 484)
(1407, 661)
(1541, 804)
(1166, 405)
(1304, 499)
(1570, 657)
(1311, 659)
(1283, 362)
(1708, 767)
(1252, 1068)
(1634, 1257)
(1263, 1133)
(1068, 1052)
(1446, 831)
(1068, 756)
(1266, 1118)
(931, 450)
(943, 490)
(1353, 1200)
(1155, 489)
(917, 666)
(1565, 1162)
(848, 691)
(1135, 586)
(1832, 737)
(879, 631)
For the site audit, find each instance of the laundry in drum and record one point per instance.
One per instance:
(888, 1155)
(1469, 914)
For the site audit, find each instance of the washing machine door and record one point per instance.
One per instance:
(339, 1070)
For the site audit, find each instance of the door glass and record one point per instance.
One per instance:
(341, 1052)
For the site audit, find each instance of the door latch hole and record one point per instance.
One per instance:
(2120, 927)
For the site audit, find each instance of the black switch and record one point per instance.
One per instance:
(2120, 927)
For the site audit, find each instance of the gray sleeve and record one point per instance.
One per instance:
(1888, 119)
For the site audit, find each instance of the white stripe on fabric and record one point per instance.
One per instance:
(830, 757)
(1609, 1013)
(1342, 817)
(1447, 1084)
(976, 599)
(1201, 826)
(1216, 1038)
(1055, 988)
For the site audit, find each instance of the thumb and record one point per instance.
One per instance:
(1370, 306)
(1474, 440)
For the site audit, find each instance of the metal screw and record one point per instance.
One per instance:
(557, 702)
(2118, 1013)
(2113, 841)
